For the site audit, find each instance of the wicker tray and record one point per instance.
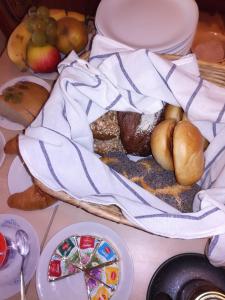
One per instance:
(212, 72)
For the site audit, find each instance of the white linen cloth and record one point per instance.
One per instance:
(58, 146)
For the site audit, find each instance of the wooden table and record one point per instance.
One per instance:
(147, 251)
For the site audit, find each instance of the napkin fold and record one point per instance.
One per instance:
(58, 146)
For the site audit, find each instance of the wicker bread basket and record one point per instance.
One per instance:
(212, 72)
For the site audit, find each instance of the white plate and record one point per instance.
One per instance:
(147, 23)
(2, 144)
(18, 178)
(73, 287)
(4, 122)
(48, 76)
(9, 224)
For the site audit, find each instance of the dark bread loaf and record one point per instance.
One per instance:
(135, 131)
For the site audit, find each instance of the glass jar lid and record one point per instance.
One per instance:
(211, 296)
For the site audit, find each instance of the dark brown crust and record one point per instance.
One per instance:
(134, 143)
(106, 127)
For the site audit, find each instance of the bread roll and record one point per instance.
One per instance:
(184, 117)
(31, 199)
(106, 127)
(205, 141)
(136, 130)
(188, 153)
(162, 143)
(173, 112)
(22, 102)
(12, 146)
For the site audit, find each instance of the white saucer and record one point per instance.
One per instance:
(48, 76)
(9, 224)
(4, 122)
(18, 178)
(2, 144)
(73, 287)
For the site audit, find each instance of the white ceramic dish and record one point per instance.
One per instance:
(147, 23)
(4, 122)
(73, 287)
(9, 276)
(2, 144)
(18, 178)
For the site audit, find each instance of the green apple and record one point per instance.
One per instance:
(43, 59)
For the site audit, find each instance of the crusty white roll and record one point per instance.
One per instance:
(173, 112)
(162, 143)
(188, 155)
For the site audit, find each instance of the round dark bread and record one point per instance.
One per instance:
(134, 137)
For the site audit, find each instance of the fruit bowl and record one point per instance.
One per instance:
(44, 37)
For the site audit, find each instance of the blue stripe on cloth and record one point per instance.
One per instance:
(214, 158)
(212, 245)
(88, 107)
(170, 72)
(114, 102)
(64, 111)
(50, 165)
(207, 168)
(203, 180)
(85, 169)
(190, 101)
(81, 159)
(100, 56)
(212, 183)
(69, 65)
(42, 116)
(84, 84)
(135, 193)
(220, 115)
(130, 99)
(163, 79)
(181, 216)
(126, 75)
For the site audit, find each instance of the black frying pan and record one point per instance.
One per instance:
(178, 270)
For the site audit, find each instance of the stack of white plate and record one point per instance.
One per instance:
(162, 26)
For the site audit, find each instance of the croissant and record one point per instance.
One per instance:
(31, 199)
(12, 147)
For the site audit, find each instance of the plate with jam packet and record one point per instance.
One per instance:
(85, 261)
(10, 269)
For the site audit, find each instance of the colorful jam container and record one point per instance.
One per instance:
(3, 250)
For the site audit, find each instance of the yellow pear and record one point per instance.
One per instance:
(71, 35)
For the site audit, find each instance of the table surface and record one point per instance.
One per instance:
(147, 251)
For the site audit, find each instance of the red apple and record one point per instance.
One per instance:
(43, 59)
